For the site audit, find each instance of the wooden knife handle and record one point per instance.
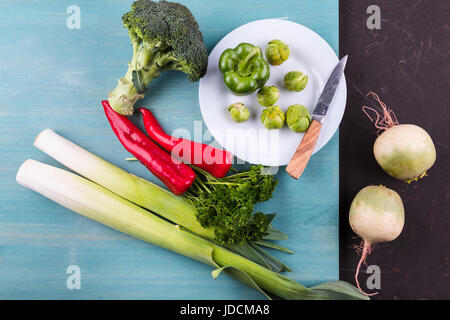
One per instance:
(304, 151)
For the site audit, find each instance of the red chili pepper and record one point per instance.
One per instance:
(176, 175)
(213, 160)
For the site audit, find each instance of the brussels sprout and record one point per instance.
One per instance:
(273, 117)
(298, 118)
(268, 95)
(295, 81)
(277, 52)
(239, 112)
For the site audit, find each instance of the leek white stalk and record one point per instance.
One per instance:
(135, 189)
(95, 202)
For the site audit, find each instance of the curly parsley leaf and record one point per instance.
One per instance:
(227, 204)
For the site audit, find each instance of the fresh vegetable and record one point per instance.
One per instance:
(376, 215)
(405, 151)
(176, 175)
(227, 205)
(213, 160)
(239, 112)
(277, 52)
(295, 81)
(298, 118)
(147, 195)
(273, 117)
(165, 36)
(244, 68)
(95, 202)
(268, 95)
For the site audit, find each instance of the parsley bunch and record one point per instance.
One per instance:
(227, 204)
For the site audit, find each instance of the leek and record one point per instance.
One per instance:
(95, 202)
(135, 189)
(145, 194)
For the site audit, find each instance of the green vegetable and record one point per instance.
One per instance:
(298, 118)
(273, 117)
(277, 52)
(295, 81)
(377, 215)
(95, 202)
(239, 112)
(165, 36)
(268, 95)
(227, 204)
(405, 151)
(147, 195)
(244, 68)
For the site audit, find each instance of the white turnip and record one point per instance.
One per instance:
(405, 151)
(376, 215)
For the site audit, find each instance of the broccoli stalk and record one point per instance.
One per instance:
(165, 36)
(147, 64)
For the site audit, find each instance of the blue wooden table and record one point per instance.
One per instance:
(54, 77)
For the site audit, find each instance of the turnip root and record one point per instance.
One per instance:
(376, 215)
(405, 151)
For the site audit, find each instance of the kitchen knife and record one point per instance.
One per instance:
(304, 151)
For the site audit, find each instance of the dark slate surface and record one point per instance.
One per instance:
(406, 63)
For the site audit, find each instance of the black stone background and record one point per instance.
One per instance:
(406, 63)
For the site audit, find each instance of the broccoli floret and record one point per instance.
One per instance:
(165, 36)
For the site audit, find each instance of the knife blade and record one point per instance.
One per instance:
(304, 151)
(322, 105)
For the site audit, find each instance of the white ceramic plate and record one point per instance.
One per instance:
(250, 141)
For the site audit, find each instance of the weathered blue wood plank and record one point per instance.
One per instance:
(55, 77)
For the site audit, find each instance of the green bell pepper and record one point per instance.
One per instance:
(244, 68)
